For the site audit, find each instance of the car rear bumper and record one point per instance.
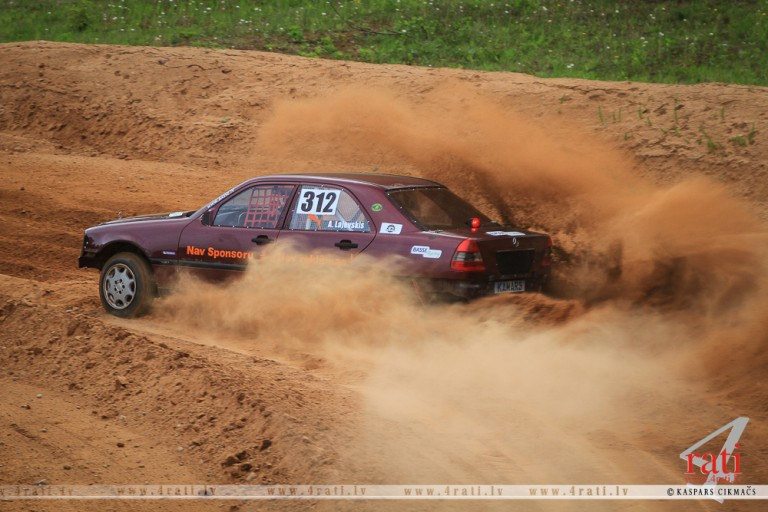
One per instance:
(472, 289)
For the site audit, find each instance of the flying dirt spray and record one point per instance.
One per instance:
(661, 293)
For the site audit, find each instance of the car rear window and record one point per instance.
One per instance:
(436, 208)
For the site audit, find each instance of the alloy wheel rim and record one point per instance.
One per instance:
(119, 286)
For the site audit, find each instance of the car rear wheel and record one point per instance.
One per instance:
(127, 286)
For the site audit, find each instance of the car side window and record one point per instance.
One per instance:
(254, 207)
(320, 208)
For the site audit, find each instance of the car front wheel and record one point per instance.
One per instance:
(127, 286)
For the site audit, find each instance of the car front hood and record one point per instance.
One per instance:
(154, 216)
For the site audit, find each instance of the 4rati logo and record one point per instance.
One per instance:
(711, 467)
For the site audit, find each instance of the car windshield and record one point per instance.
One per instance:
(436, 208)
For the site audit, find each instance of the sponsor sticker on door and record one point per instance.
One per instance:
(390, 228)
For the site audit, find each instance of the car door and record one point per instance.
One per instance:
(327, 219)
(230, 237)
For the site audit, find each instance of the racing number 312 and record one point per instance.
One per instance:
(319, 201)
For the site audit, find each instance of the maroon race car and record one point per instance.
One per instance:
(449, 247)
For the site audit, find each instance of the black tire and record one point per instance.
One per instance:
(127, 285)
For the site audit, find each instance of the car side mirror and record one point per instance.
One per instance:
(206, 218)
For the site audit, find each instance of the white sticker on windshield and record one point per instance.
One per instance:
(505, 233)
(391, 228)
(318, 201)
(176, 214)
(222, 196)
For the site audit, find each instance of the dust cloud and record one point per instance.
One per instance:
(657, 290)
(608, 223)
(689, 248)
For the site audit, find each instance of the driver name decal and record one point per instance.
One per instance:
(345, 226)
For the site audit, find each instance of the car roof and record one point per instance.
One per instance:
(386, 181)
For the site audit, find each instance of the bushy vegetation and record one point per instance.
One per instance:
(679, 41)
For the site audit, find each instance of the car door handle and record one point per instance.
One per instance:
(345, 245)
(262, 240)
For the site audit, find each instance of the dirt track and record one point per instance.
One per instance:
(608, 382)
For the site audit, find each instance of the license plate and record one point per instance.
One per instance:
(509, 286)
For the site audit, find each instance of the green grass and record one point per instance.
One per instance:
(680, 41)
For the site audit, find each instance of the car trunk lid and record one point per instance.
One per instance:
(510, 253)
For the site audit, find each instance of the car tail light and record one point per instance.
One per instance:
(546, 259)
(467, 257)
